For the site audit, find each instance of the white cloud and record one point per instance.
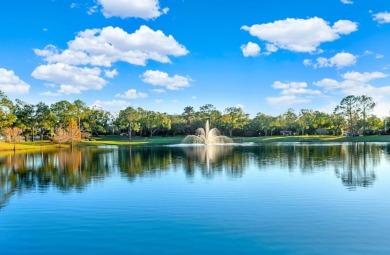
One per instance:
(340, 60)
(300, 35)
(158, 101)
(382, 17)
(145, 9)
(240, 106)
(286, 100)
(72, 79)
(378, 56)
(292, 93)
(50, 94)
(346, 1)
(271, 47)
(159, 91)
(110, 73)
(356, 83)
(293, 88)
(10, 83)
(92, 10)
(103, 47)
(73, 5)
(250, 49)
(117, 104)
(159, 78)
(132, 94)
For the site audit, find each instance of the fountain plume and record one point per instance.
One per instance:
(207, 136)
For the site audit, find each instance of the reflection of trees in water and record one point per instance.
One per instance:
(144, 161)
(358, 165)
(65, 170)
(354, 164)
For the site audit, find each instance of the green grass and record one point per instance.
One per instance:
(29, 146)
(318, 139)
(120, 140)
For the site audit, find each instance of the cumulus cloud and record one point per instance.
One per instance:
(110, 73)
(103, 47)
(346, 1)
(250, 49)
(72, 79)
(158, 78)
(292, 93)
(356, 83)
(132, 94)
(300, 35)
(382, 17)
(10, 83)
(339, 61)
(115, 104)
(145, 9)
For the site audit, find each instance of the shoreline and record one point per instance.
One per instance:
(158, 141)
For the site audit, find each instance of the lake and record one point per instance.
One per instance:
(267, 199)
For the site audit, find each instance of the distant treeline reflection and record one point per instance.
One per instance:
(65, 170)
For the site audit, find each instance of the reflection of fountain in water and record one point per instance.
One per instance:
(207, 136)
(207, 155)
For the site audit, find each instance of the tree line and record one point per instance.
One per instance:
(71, 121)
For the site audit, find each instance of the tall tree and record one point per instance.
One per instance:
(366, 105)
(73, 133)
(25, 118)
(129, 118)
(305, 120)
(81, 111)
(45, 118)
(349, 108)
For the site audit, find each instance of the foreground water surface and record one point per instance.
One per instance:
(272, 199)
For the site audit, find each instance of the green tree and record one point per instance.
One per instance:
(45, 119)
(7, 116)
(81, 111)
(129, 118)
(305, 120)
(64, 111)
(25, 118)
(263, 122)
(234, 118)
(178, 124)
(155, 121)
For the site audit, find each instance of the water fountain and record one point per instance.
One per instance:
(207, 136)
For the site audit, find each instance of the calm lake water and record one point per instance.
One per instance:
(272, 199)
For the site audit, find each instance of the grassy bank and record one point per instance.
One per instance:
(30, 146)
(120, 140)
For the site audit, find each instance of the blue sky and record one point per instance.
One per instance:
(164, 55)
